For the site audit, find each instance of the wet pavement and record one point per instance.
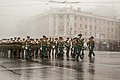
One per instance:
(105, 66)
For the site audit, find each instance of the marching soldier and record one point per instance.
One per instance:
(75, 47)
(91, 45)
(52, 46)
(61, 47)
(27, 48)
(44, 47)
(67, 45)
(56, 46)
(49, 47)
(80, 46)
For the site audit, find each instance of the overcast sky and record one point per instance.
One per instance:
(12, 11)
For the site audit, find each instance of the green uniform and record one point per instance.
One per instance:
(61, 48)
(91, 45)
(79, 48)
(44, 49)
(67, 45)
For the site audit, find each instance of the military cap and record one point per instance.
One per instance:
(68, 38)
(18, 37)
(44, 36)
(79, 34)
(56, 38)
(82, 39)
(60, 38)
(92, 37)
(28, 36)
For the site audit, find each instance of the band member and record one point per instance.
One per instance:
(49, 47)
(82, 55)
(44, 47)
(67, 45)
(56, 47)
(61, 47)
(52, 43)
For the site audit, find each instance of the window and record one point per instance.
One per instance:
(75, 17)
(85, 18)
(75, 24)
(112, 22)
(80, 25)
(90, 27)
(108, 22)
(85, 33)
(112, 29)
(67, 16)
(90, 33)
(95, 27)
(90, 19)
(81, 18)
(80, 32)
(75, 32)
(85, 26)
(108, 29)
(95, 20)
(95, 34)
(61, 16)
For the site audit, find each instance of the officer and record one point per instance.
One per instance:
(91, 45)
(61, 47)
(79, 47)
(67, 45)
(44, 47)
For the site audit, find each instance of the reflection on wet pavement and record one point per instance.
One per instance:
(102, 67)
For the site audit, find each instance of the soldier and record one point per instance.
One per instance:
(44, 47)
(80, 46)
(52, 43)
(56, 46)
(67, 45)
(91, 45)
(27, 48)
(61, 47)
(75, 47)
(49, 47)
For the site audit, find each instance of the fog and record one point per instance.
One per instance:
(16, 15)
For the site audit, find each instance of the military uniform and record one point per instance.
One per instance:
(56, 46)
(52, 46)
(67, 45)
(79, 47)
(44, 48)
(91, 45)
(60, 47)
(82, 55)
(49, 48)
(75, 48)
(27, 50)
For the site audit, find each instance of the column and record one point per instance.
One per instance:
(56, 32)
(65, 24)
(71, 26)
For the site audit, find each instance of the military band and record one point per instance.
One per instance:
(28, 48)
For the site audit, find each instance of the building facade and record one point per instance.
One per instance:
(70, 22)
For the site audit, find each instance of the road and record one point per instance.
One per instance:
(105, 66)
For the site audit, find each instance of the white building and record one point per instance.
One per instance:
(70, 22)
